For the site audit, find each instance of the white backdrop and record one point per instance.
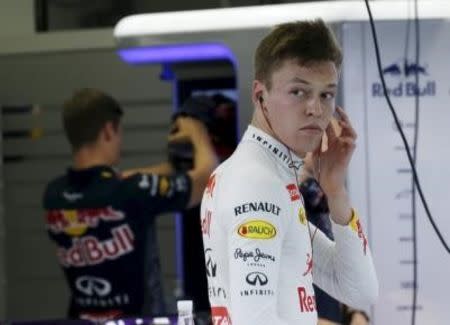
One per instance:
(380, 176)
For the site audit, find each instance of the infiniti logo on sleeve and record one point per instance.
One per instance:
(90, 286)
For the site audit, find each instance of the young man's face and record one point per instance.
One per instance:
(300, 103)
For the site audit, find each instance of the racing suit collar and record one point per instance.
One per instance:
(86, 175)
(275, 147)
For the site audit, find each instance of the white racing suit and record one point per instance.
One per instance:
(259, 259)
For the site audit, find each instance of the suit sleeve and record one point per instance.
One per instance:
(155, 194)
(344, 268)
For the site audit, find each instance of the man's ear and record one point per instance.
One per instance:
(258, 93)
(108, 131)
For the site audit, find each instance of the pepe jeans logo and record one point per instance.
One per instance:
(256, 256)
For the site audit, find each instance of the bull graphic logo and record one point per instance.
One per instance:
(406, 68)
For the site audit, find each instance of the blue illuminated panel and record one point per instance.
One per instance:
(176, 53)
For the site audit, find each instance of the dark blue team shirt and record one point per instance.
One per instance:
(318, 214)
(104, 230)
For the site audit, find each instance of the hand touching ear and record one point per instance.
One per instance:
(333, 157)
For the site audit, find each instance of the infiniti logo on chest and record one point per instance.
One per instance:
(257, 278)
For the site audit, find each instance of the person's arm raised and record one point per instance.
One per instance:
(205, 159)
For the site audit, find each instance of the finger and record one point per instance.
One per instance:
(176, 122)
(337, 127)
(344, 121)
(347, 130)
(342, 114)
(331, 133)
(179, 124)
(347, 144)
(347, 140)
(178, 137)
(324, 143)
(173, 129)
(192, 121)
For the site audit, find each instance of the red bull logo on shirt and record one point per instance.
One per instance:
(91, 251)
(77, 222)
(257, 229)
(307, 301)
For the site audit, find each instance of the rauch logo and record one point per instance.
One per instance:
(404, 71)
(257, 229)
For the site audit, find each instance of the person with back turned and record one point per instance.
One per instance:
(103, 221)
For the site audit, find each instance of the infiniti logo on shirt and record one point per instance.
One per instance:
(257, 278)
(90, 286)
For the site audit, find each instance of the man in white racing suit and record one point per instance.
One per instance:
(262, 255)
